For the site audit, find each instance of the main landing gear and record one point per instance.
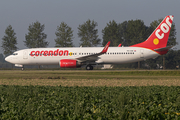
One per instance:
(89, 67)
(22, 68)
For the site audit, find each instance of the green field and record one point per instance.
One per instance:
(102, 95)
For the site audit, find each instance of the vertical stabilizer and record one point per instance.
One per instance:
(159, 38)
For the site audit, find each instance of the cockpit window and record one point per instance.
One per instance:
(15, 53)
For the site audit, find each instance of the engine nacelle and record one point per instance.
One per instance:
(68, 63)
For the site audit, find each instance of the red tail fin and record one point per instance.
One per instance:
(159, 37)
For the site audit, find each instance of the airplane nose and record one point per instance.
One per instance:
(8, 59)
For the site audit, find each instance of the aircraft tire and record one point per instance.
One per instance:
(22, 68)
(89, 67)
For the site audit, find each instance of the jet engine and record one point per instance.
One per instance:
(68, 63)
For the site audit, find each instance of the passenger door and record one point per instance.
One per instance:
(25, 54)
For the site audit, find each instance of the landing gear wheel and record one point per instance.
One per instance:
(89, 67)
(22, 68)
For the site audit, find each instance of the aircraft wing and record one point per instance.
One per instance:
(93, 57)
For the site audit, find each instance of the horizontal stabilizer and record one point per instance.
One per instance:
(163, 49)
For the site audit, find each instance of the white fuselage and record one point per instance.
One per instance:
(114, 55)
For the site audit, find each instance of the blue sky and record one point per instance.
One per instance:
(21, 13)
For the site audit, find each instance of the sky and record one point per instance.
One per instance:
(22, 13)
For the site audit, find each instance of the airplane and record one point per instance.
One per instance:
(74, 57)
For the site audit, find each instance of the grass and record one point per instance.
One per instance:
(89, 78)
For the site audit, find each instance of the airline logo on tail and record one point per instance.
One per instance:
(164, 28)
(159, 38)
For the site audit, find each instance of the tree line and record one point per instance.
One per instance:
(126, 33)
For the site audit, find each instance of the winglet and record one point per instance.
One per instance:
(106, 47)
(119, 45)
